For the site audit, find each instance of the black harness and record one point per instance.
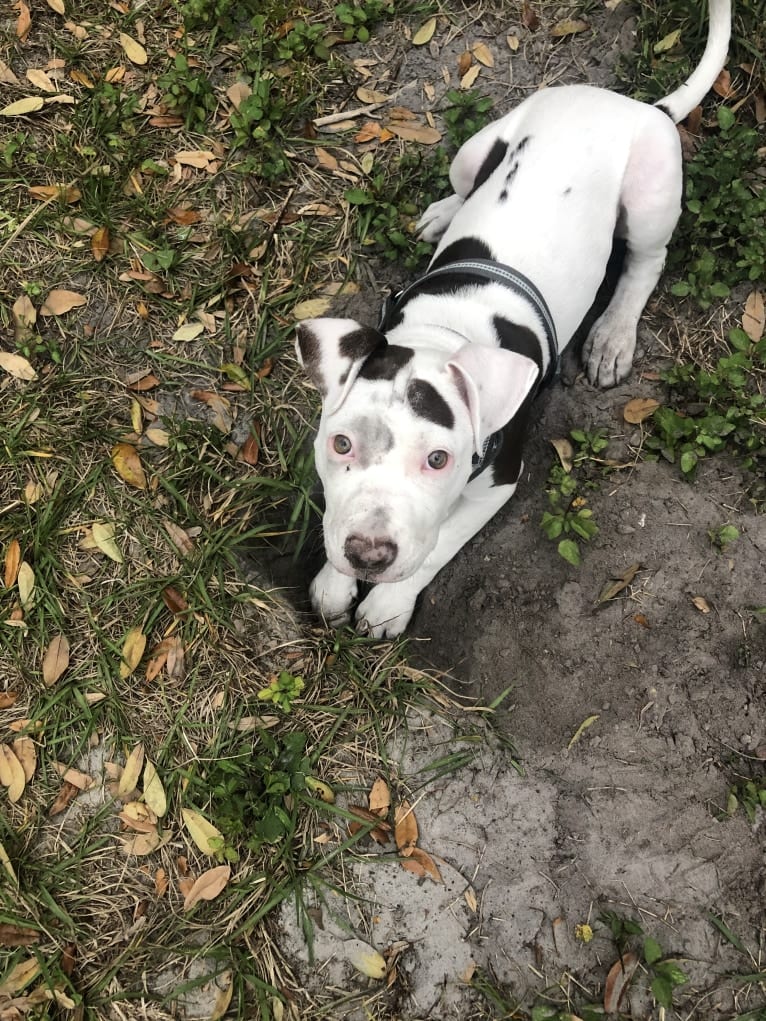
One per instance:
(494, 272)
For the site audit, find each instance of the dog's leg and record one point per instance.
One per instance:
(475, 161)
(387, 610)
(332, 595)
(651, 204)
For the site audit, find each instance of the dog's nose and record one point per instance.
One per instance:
(370, 555)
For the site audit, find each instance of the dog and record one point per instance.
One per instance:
(419, 441)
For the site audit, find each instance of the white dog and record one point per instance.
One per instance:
(422, 419)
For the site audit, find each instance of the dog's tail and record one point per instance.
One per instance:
(679, 104)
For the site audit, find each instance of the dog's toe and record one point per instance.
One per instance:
(435, 220)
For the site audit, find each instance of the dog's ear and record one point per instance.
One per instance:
(493, 383)
(332, 351)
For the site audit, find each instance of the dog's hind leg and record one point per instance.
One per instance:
(650, 201)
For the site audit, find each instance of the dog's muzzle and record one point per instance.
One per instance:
(370, 556)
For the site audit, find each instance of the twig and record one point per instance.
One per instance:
(334, 118)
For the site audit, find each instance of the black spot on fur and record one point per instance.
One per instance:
(604, 294)
(661, 106)
(309, 346)
(462, 250)
(426, 401)
(503, 195)
(360, 343)
(519, 339)
(492, 161)
(565, 192)
(385, 362)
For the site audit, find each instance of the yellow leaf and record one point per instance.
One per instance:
(26, 583)
(24, 312)
(5, 861)
(132, 650)
(103, 536)
(12, 562)
(136, 416)
(223, 996)
(311, 309)
(60, 301)
(667, 42)
(513, 42)
(470, 76)
(581, 730)
(57, 6)
(425, 33)
(569, 26)
(128, 465)
(154, 792)
(701, 603)
(144, 843)
(405, 828)
(198, 158)
(40, 79)
(365, 958)
(132, 771)
(207, 838)
(208, 885)
(565, 451)
(134, 51)
(17, 366)
(11, 773)
(30, 104)
(189, 331)
(422, 133)
(483, 54)
(19, 977)
(56, 660)
(99, 244)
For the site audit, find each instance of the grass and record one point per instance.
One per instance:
(219, 421)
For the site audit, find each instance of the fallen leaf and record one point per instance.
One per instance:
(76, 777)
(614, 587)
(380, 797)
(370, 96)
(161, 882)
(64, 798)
(179, 537)
(464, 61)
(198, 158)
(311, 309)
(7, 77)
(30, 104)
(381, 830)
(483, 54)
(189, 331)
(470, 76)
(60, 301)
(17, 366)
(63, 192)
(5, 861)
(207, 838)
(325, 159)
(641, 619)
(701, 603)
(132, 771)
(26, 584)
(7, 699)
(364, 958)
(425, 33)
(25, 751)
(754, 317)
(405, 829)
(249, 452)
(56, 660)
(513, 42)
(40, 79)
(24, 312)
(569, 26)
(99, 244)
(565, 450)
(225, 984)
(103, 536)
(11, 774)
(668, 42)
(617, 981)
(422, 864)
(132, 651)
(12, 563)
(143, 843)
(146, 382)
(208, 886)
(57, 6)
(422, 133)
(639, 408)
(16, 936)
(128, 465)
(529, 17)
(581, 729)
(173, 599)
(19, 977)
(154, 792)
(722, 85)
(134, 51)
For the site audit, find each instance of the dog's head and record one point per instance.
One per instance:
(398, 431)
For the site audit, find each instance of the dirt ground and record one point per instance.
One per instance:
(630, 818)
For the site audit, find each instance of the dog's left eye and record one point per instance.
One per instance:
(341, 444)
(438, 459)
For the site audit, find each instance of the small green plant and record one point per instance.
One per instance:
(722, 536)
(716, 409)
(187, 91)
(664, 972)
(282, 690)
(466, 114)
(569, 515)
(357, 19)
(750, 796)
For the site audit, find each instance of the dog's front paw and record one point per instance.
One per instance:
(435, 220)
(332, 595)
(608, 352)
(386, 611)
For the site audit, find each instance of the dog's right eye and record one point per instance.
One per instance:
(341, 444)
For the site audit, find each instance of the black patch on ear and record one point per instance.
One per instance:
(492, 161)
(360, 343)
(519, 339)
(385, 362)
(426, 401)
(308, 342)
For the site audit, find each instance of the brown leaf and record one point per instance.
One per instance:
(82, 78)
(424, 33)
(173, 599)
(160, 882)
(180, 538)
(464, 61)
(641, 619)
(381, 831)
(57, 6)
(754, 318)
(16, 936)
(251, 448)
(569, 26)
(470, 76)
(529, 18)
(62, 192)
(17, 366)
(405, 829)
(145, 382)
(12, 563)
(613, 588)
(25, 752)
(565, 450)
(7, 699)
(40, 79)
(701, 603)
(60, 301)
(76, 777)
(722, 85)
(208, 885)
(617, 981)
(380, 797)
(134, 51)
(422, 864)
(24, 21)
(639, 408)
(132, 651)
(132, 771)
(56, 660)
(128, 465)
(11, 773)
(421, 133)
(483, 54)
(99, 244)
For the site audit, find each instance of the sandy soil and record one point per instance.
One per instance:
(629, 818)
